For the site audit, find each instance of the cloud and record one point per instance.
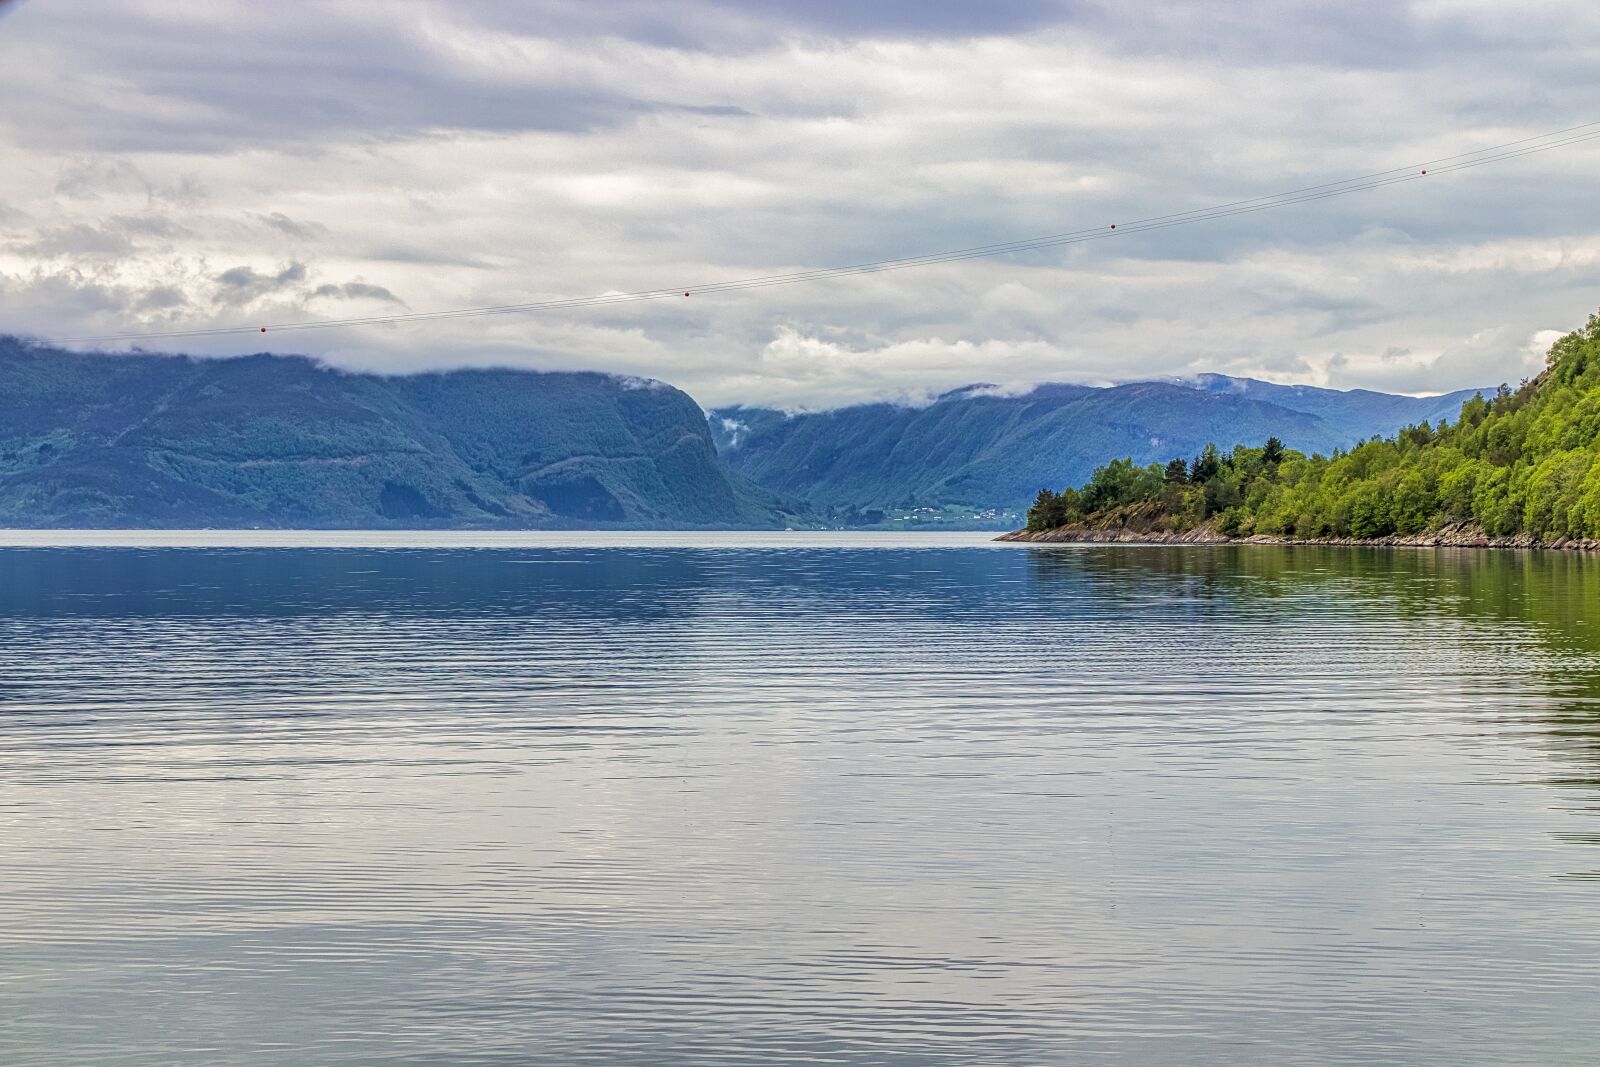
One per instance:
(162, 298)
(241, 285)
(733, 432)
(1485, 359)
(148, 225)
(91, 178)
(77, 240)
(356, 291)
(799, 372)
(1007, 391)
(277, 220)
(205, 165)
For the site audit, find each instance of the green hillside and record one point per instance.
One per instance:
(980, 448)
(1520, 463)
(150, 441)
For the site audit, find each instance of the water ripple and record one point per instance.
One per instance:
(800, 800)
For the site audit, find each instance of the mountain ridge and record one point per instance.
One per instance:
(984, 449)
(146, 440)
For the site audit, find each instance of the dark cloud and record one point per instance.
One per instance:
(356, 291)
(243, 284)
(285, 81)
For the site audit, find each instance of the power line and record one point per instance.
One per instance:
(1517, 149)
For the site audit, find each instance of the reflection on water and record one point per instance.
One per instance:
(802, 802)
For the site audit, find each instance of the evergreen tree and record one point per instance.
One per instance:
(1046, 508)
(1206, 465)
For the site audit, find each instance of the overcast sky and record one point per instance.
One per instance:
(225, 162)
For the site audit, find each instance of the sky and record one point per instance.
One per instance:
(225, 163)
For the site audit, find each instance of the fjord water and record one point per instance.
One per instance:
(794, 798)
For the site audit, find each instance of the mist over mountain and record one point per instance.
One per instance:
(280, 441)
(143, 440)
(978, 449)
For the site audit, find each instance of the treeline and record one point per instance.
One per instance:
(1524, 461)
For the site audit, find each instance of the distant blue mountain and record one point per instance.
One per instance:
(1361, 413)
(275, 441)
(280, 441)
(977, 448)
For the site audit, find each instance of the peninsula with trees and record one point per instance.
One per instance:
(1518, 469)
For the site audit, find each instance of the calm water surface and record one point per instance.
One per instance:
(794, 799)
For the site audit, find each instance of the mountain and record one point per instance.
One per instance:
(280, 441)
(978, 449)
(1522, 468)
(1360, 413)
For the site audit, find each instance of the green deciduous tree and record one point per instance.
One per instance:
(1526, 461)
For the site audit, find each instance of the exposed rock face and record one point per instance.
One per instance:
(1200, 535)
(1455, 535)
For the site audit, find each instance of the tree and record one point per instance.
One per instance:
(1047, 512)
(1222, 493)
(1052, 510)
(1474, 411)
(1370, 510)
(1419, 435)
(1520, 461)
(1206, 465)
(1121, 482)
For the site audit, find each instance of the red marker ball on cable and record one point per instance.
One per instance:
(1113, 225)
(685, 294)
(263, 329)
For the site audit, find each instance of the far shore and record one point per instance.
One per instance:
(1459, 535)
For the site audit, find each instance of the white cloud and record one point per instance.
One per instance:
(469, 154)
(1485, 358)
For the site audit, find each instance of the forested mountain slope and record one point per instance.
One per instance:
(1520, 464)
(979, 448)
(169, 441)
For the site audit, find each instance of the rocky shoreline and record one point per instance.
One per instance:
(1456, 535)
